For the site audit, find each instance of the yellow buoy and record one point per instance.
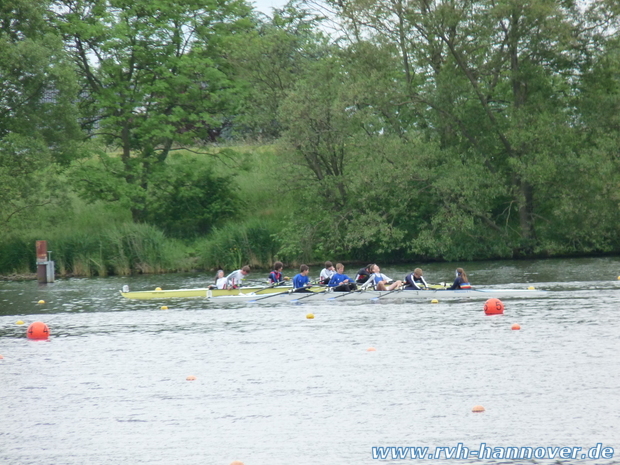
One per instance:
(191, 378)
(41, 301)
(19, 322)
(310, 316)
(164, 308)
(477, 409)
(618, 277)
(158, 288)
(434, 301)
(531, 288)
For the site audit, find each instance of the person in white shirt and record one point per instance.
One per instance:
(381, 281)
(233, 280)
(220, 280)
(327, 273)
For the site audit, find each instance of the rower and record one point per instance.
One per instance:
(327, 273)
(275, 277)
(220, 280)
(340, 282)
(415, 281)
(381, 281)
(301, 281)
(233, 280)
(363, 274)
(461, 281)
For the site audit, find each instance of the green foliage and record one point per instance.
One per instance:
(38, 125)
(155, 80)
(17, 256)
(120, 250)
(269, 59)
(490, 89)
(427, 130)
(187, 200)
(235, 245)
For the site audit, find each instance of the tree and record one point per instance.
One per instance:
(38, 128)
(494, 85)
(154, 81)
(270, 59)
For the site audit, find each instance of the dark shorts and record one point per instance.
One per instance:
(345, 287)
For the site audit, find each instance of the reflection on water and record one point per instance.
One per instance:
(273, 387)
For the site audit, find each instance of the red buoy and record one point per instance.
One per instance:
(38, 330)
(493, 307)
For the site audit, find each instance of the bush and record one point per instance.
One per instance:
(234, 245)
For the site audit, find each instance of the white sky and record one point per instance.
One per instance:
(266, 6)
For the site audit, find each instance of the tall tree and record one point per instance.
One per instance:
(270, 59)
(38, 125)
(493, 83)
(154, 79)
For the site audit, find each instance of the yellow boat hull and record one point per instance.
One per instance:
(204, 292)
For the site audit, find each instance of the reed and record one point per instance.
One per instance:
(234, 245)
(120, 249)
(17, 256)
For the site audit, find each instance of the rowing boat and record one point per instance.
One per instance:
(321, 295)
(205, 292)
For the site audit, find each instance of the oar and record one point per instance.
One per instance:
(271, 295)
(269, 287)
(387, 293)
(310, 295)
(346, 293)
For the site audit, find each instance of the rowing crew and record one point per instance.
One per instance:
(367, 277)
(370, 277)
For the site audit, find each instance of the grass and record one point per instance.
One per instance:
(101, 239)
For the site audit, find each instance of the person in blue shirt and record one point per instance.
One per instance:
(340, 282)
(301, 281)
(275, 277)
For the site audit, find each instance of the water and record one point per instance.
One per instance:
(272, 387)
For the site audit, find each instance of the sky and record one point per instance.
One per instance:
(265, 6)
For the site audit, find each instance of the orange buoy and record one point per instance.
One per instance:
(477, 409)
(1, 357)
(371, 349)
(515, 327)
(38, 330)
(236, 462)
(191, 378)
(493, 307)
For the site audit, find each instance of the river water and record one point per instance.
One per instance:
(273, 387)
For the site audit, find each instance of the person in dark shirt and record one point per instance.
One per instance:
(415, 281)
(275, 277)
(363, 274)
(461, 281)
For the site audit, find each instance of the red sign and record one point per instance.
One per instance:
(41, 251)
